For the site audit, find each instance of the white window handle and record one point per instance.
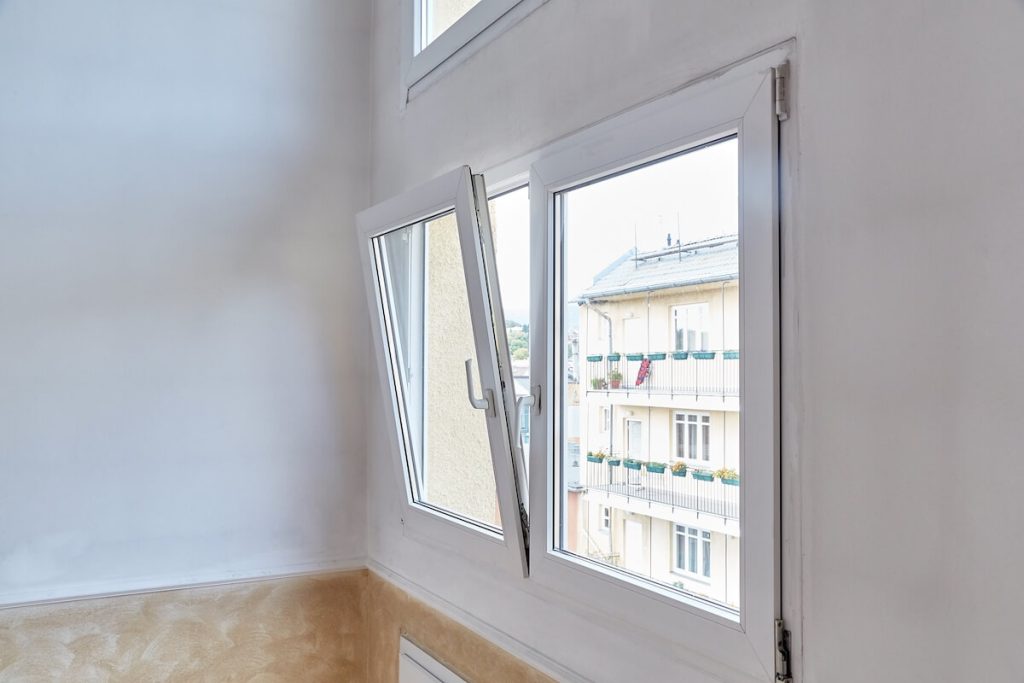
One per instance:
(484, 403)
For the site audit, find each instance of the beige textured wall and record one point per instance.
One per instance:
(294, 629)
(391, 613)
(338, 627)
(459, 475)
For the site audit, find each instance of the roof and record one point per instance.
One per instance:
(712, 260)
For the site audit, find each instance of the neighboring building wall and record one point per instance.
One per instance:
(458, 470)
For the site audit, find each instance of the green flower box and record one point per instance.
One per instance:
(632, 464)
(594, 458)
(680, 355)
(678, 473)
(731, 482)
(594, 359)
(703, 355)
(702, 476)
(731, 355)
(656, 468)
(656, 356)
(614, 356)
(634, 356)
(614, 462)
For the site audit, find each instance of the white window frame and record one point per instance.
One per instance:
(605, 515)
(703, 553)
(739, 100)
(705, 454)
(457, 191)
(628, 441)
(485, 21)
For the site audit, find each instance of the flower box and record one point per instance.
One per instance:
(614, 462)
(703, 355)
(655, 467)
(614, 357)
(594, 359)
(731, 355)
(680, 355)
(595, 458)
(656, 356)
(731, 482)
(634, 356)
(632, 464)
(679, 473)
(702, 476)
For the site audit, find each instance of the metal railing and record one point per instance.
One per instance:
(712, 497)
(706, 373)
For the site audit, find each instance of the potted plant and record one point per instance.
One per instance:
(655, 467)
(598, 383)
(632, 464)
(656, 356)
(680, 355)
(614, 356)
(703, 355)
(595, 358)
(703, 475)
(634, 356)
(596, 457)
(679, 469)
(728, 477)
(615, 378)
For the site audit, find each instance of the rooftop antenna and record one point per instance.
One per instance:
(679, 237)
(636, 250)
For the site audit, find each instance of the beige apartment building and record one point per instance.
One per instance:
(659, 383)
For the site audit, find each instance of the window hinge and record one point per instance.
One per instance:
(782, 91)
(782, 672)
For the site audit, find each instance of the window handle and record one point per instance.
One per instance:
(527, 400)
(484, 403)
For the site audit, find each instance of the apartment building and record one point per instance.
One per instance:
(659, 400)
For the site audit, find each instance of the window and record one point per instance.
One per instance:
(440, 31)
(434, 281)
(692, 551)
(600, 249)
(690, 325)
(693, 436)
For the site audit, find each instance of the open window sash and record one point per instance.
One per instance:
(442, 357)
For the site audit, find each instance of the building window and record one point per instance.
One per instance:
(693, 551)
(691, 327)
(635, 439)
(606, 518)
(693, 436)
(606, 420)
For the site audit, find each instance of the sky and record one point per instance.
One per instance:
(693, 196)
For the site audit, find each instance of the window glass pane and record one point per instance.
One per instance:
(510, 223)
(430, 336)
(654, 250)
(437, 16)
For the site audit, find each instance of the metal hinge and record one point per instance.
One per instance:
(782, 671)
(782, 91)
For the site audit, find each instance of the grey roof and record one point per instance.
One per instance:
(713, 260)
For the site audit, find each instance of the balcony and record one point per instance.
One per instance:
(710, 497)
(702, 373)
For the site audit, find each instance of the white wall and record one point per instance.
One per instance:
(903, 164)
(180, 315)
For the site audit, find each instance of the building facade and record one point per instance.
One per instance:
(659, 410)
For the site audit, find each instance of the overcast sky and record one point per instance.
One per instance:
(692, 196)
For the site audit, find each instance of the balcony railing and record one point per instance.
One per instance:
(712, 497)
(703, 373)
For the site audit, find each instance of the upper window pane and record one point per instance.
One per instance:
(650, 334)
(430, 334)
(437, 16)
